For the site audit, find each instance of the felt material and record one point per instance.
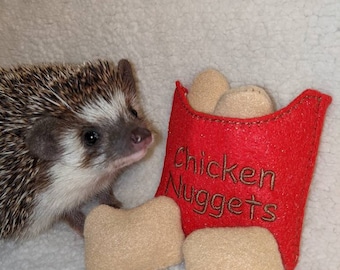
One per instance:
(147, 237)
(244, 172)
(284, 47)
(249, 248)
(244, 102)
(207, 88)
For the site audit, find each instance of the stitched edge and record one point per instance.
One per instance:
(235, 122)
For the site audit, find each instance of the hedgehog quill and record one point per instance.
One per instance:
(66, 131)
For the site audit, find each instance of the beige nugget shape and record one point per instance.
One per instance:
(244, 102)
(146, 237)
(206, 89)
(248, 248)
(239, 248)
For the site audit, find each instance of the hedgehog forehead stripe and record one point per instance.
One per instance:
(103, 108)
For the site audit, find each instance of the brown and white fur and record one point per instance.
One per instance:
(66, 131)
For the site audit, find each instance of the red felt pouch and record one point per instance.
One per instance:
(226, 172)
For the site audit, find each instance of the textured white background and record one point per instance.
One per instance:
(284, 46)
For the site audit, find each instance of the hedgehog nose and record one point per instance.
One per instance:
(138, 135)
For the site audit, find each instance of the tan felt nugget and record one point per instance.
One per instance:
(247, 248)
(244, 102)
(206, 89)
(147, 237)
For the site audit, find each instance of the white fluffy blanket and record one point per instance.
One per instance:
(284, 46)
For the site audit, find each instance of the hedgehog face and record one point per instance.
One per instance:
(121, 143)
(114, 137)
(104, 147)
(102, 131)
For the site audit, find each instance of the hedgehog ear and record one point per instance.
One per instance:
(42, 139)
(126, 73)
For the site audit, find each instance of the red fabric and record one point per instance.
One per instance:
(244, 172)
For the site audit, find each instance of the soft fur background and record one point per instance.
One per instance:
(285, 46)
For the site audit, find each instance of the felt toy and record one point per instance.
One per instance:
(240, 183)
(244, 102)
(234, 172)
(252, 248)
(146, 237)
(237, 248)
(209, 86)
(211, 93)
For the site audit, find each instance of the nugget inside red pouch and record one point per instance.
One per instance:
(227, 172)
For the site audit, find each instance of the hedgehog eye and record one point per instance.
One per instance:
(91, 137)
(134, 112)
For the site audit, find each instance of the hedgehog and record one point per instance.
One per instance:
(67, 131)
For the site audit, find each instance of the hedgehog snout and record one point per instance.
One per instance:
(140, 138)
